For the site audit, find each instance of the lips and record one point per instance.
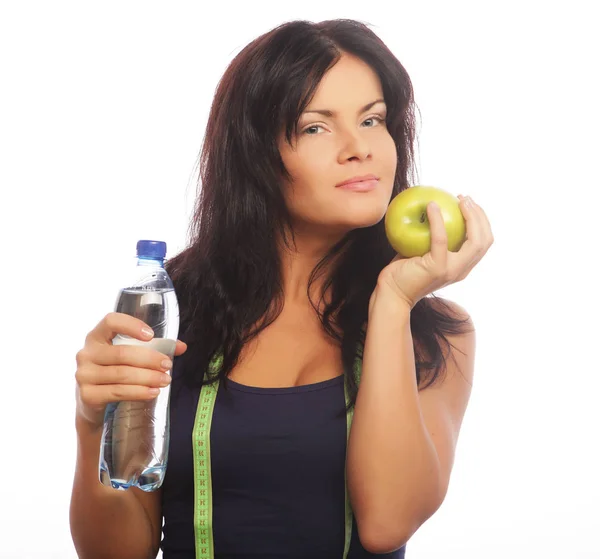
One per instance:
(360, 186)
(357, 179)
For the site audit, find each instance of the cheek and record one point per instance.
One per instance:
(310, 172)
(307, 162)
(304, 192)
(389, 155)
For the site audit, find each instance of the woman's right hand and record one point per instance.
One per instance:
(112, 373)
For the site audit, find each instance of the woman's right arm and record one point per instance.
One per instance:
(107, 523)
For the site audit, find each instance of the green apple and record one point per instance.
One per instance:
(407, 225)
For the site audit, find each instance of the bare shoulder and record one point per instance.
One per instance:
(462, 345)
(451, 309)
(456, 310)
(443, 404)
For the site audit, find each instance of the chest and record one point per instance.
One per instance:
(292, 351)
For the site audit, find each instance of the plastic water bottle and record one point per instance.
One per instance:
(135, 438)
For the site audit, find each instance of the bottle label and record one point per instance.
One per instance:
(163, 345)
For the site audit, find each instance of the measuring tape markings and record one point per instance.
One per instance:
(203, 509)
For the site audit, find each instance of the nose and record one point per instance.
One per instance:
(354, 146)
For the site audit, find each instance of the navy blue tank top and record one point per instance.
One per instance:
(277, 459)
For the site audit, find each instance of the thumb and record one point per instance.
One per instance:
(180, 348)
(398, 257)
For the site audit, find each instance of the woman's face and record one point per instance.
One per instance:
(331, 148)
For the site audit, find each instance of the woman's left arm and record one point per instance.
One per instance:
(402, 441)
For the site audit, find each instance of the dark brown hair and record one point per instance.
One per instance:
(228, 278)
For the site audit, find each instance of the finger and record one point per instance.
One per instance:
(131, 376)
(104, 394)
(473, 226)
(486, 229)
(118, 323)
(125, 354)
(180, 348)
(439, 237)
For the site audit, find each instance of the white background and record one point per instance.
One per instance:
(102, 110)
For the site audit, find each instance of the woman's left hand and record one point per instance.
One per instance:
(411, 279)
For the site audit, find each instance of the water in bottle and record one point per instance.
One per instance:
(135, 437)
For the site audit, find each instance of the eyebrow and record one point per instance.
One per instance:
(328, 113)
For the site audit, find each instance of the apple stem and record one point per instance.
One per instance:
(423, 218)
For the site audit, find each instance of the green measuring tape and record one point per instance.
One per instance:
(203, 507)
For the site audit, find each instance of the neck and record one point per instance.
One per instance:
(297, 264)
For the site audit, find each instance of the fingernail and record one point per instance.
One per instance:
(434, 206)
(147, 332)
(166, 364)
(166, 380)
(468, 202)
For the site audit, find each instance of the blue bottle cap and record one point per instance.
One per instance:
(151, 249)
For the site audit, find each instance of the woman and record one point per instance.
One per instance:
(290, 294)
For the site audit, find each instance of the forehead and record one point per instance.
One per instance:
(349, 82)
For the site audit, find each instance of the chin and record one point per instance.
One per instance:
(366, 217)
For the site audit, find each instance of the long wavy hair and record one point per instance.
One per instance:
(228, 279)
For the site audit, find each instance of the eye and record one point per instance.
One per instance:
(312, 130)
(306, 130)
(378, 119)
